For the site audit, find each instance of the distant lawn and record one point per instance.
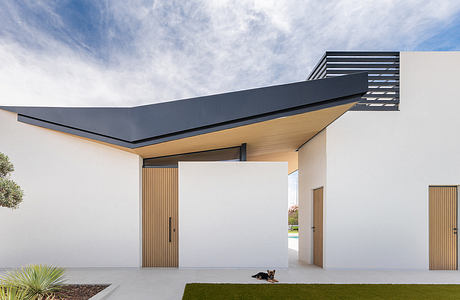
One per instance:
(208, 291)
(293, 231)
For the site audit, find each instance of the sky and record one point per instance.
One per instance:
(127, 52)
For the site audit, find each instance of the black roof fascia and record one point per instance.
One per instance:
(139, 126)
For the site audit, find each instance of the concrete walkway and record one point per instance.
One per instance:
(165, 283)
(169, 283)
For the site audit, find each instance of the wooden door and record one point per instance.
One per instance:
(443, 227)
(159, 217)
(318, 227)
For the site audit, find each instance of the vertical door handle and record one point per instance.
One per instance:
(170, 229)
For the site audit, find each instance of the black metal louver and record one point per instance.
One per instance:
(383, 70)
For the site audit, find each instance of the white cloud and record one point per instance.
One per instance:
(184, 49)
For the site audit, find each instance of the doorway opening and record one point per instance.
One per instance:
(293, 217)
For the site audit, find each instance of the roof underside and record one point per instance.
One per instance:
(160, 124)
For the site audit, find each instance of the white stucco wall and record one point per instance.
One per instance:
(312, 175)
(81, 204)
(380, 164)
(233, 214)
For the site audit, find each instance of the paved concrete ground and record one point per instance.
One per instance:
(165, 283)
(162, 283)
(293, 243)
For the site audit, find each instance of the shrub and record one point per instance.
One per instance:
(293, 215)
(34, 282)
(6, 167)
(10, 193)
(293, 208)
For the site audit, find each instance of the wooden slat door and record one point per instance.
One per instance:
(160, 217)
(443, 227)
(318, 227)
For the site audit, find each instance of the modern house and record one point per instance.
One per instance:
(203, 182)
(390, 171)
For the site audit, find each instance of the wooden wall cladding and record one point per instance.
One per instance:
(160, 217)
(443, 227)
(318, 227)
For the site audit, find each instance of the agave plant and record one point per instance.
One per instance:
(34, 282)
(11, 293)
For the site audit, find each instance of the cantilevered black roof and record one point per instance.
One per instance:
(139, 126)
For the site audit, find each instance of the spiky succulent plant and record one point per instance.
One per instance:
(33, 282)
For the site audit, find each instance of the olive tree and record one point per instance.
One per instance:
(10, 192)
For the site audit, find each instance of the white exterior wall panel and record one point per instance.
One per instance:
(233, 214)
(380, 164)
(81, 203)
(312, 175)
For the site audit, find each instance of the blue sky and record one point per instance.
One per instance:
(73, 53)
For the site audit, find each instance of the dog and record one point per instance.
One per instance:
(269, 276)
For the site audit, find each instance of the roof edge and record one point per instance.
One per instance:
(343, 90)
(187, 133)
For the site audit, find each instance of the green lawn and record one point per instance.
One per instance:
(210, 291)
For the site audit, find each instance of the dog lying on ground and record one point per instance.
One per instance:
(269, 276)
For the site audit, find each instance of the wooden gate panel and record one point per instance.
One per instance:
(160, 217)
(318, 227)
(443, 227)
